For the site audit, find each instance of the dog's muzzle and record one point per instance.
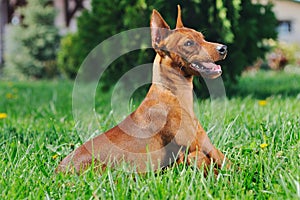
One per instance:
(222, 49)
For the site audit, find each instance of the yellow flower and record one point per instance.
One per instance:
(3, 115)
(54, 156)
(9, 96)
(10, 84)
(262, 102)
(263, 145)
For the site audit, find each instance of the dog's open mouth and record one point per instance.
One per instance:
(207, 69)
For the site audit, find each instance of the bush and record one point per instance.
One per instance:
(105, 19)
(255, 24)
(67, 58)
(17, 57)
(241, 25)
(31, 47)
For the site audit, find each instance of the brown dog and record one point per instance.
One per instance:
(164, 128)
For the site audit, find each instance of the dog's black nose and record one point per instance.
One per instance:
(222, 49)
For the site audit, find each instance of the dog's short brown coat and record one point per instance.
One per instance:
(164, 128)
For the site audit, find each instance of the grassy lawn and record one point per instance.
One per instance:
(258, 131)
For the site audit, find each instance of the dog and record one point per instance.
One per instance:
(163, 129)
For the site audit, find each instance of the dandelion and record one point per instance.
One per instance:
(10, 96)
(54, 156)
(3, 115)
(263, 145)
(262, 102)
(10, 84)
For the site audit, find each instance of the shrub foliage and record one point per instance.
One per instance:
(32, 45)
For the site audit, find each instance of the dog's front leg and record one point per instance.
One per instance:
(208, 149)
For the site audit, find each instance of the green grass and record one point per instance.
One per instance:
(264, 84)
(39, 126)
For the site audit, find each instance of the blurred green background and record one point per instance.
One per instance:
(50, 39)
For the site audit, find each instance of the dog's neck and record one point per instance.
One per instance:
(170, 77)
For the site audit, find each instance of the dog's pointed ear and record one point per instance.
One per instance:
(159, 28)
(179, 23)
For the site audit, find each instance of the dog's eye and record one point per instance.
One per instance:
(189, 43)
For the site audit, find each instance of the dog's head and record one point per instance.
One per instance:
(186, 47)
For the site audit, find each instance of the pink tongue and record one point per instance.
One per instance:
(212, 66)
(217, 68)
